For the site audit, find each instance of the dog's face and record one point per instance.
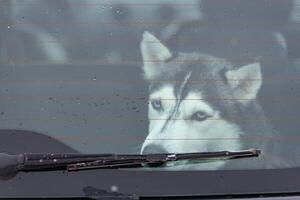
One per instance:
(195, 100)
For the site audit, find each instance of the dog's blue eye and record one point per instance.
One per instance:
(199, 116)
(157, 105)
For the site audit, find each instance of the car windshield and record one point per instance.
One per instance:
(161, 76)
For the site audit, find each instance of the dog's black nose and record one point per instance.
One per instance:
(154, 148)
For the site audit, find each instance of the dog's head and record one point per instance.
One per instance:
(195, 99)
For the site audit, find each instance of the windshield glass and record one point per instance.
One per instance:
(161, 76)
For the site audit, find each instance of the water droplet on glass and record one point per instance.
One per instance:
(114, 188)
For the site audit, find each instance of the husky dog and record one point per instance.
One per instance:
(201, 103)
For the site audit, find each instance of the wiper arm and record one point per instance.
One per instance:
(155, 160)
(75, 162)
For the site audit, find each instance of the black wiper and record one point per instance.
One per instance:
(74, 162)
(156, 160)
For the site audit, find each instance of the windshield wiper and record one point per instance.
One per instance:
(74, 162)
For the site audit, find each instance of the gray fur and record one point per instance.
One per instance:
(208, 75)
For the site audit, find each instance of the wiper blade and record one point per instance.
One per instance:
(74, 162)
(154, 160)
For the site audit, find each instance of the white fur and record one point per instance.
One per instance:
(245, 82)
(166, 95)
(154, 54)
(183, 135)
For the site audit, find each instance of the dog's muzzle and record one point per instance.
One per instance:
(153, 148)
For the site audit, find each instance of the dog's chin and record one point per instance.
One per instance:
(194, 165)
(177, 163)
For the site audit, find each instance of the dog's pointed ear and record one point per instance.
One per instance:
(154, 55)
(245, 81)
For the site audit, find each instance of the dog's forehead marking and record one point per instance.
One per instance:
(195, 101)
(183, 84)
(167, 91)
